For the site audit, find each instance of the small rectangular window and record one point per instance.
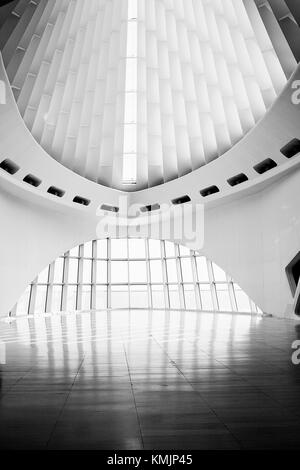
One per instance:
(150, 208)
(291, 149)
(209, 191)
(238, 179)
(32, 180)
(181, 200)
(9, 166)
(265, 166)
(81, 200)
(106, 207)
(56, 191)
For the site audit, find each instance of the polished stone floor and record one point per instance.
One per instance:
(152, 380)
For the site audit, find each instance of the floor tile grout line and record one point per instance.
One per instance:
(133, 395)
(64, 404)
(174, 364)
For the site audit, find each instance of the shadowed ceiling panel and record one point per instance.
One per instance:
(201, 72)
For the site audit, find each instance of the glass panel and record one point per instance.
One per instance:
(137, 271)
(74, 251)
(139, 297)
(206, 298)
(190, 297)
(102, 249)
(23, 304)
(131, 75)
(86, 297)
(223, 297)
(71, 298)
(43, 277)
(132, 39)
(119, 272)
(119, 297)
(158, 297)
(58, 271)
(219, 274)
(130, 138)
(174, 297)
(156, 271)
(40, 299)
(132, 9)
(129, 168)
(73, 271)
(154, 248)
(172, 270)
(101, 297)
(186, 268)
(101, 272)
(88, 250)
(137, 248)
(87, 271)
(184, 251)
(56, 298)
(170, 249)
(130, 107)
(202, 269)
(119, 249)
(242, 300)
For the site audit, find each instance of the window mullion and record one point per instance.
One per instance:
(80, 278)
(179, 277)
(49, 299)
(108, 273)
(212, 285)
(149, 286)
(195, 280)
(165, 274)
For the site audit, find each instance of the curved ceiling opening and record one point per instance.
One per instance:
(132, 273)
(136, 93)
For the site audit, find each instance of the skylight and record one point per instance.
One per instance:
(129, 175)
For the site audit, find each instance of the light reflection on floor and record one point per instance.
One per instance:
(142, 379)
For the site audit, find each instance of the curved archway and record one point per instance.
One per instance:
(132, 273)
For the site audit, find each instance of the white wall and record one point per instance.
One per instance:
(254, 239)
(32, 236)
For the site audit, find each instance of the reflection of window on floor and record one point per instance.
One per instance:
(132, 273)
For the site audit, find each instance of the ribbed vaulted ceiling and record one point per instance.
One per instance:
(195, 76)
